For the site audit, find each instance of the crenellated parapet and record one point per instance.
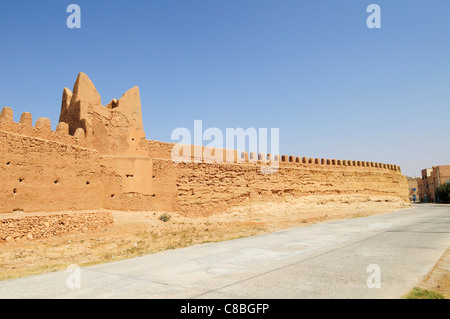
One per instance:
(320, 162)
(199, 154)
(42, 128)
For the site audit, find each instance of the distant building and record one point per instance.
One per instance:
(431, 179)
(413, 188)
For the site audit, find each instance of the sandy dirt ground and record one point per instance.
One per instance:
(438, 279)
(137, 233)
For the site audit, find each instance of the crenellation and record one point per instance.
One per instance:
(26, 119)
(25, 126)
(231, 156)
(6, 117)
(79, 133)
(44, 124)
(245, 157)
(62, 128)
(42, 128)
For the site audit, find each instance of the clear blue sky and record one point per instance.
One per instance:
(334, 88)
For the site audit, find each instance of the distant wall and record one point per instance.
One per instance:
(204, 189)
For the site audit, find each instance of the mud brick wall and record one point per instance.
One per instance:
(99, 157)
(202, 189)
(43, 175)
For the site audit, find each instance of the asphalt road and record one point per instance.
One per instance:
(330, 260)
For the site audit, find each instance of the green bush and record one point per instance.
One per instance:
(165, 217)
(419, 293)
(443, 192)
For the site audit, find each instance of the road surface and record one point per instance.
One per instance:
(390, 253)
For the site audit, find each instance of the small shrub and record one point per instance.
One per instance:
(165, 217)
(419, 293)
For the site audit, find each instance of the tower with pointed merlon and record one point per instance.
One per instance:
(114, 129)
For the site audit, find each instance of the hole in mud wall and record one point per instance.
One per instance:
(87, 183)
(8, 163)
(112, 195)
(15, 191)
(20, 180)
(153, 195)
(129, 176)
(56, 181)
